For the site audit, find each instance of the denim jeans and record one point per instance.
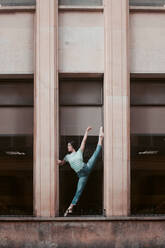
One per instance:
(84, 173)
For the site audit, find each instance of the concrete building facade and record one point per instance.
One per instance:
(66, 65)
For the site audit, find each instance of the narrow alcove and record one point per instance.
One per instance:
(16, 146)
(147, 146)
(81, 105)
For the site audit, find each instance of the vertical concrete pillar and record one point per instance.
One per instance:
(46, 110)
(116, 109)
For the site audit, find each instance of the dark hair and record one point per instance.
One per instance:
(73, 143)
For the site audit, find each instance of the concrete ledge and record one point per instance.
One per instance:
(82, 219)
(80, 8)
(92, 232)
(146, 9)
(17, 8)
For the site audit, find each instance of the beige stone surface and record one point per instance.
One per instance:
(81, 41)
(147, 39)
(16, 43)
(116, 110)
(46, 110)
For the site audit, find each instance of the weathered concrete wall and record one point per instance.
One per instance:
(147, 39)
(16, 43)
(82, 234)
(81, 41)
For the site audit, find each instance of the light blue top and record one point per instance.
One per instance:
(75, 160)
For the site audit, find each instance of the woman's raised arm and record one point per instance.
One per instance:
(83, 142)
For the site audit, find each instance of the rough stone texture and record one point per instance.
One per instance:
(82, 234)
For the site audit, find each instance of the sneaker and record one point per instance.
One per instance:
(68, 212)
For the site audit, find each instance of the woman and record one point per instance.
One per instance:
(75, 159)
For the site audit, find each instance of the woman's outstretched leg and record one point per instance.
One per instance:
(83, 179)
(94, 157)
(101, 136)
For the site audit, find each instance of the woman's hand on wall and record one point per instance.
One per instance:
(60, 162)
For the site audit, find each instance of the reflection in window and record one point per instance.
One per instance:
(148, 146)
(81, 2)
(81, 106)
(16, 147)
(147, 2)
(17, 2)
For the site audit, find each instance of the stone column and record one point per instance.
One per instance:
(116, 109)
(46, 110)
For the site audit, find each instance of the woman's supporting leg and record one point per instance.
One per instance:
(80, 187)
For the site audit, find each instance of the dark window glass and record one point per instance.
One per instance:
(86, 92)
(81, 2)
(17, 2)
(77, 111)
(147, 146)
(16, 93)
(16, 147)
(147, 2)
(148, 92)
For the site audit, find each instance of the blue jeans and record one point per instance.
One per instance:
(84, 173)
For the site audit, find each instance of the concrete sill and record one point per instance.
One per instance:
(80, 8)
(82, 219)
(17, 8)
(146, 9)
(81, 75)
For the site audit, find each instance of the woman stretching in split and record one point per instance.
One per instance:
(75, 159)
